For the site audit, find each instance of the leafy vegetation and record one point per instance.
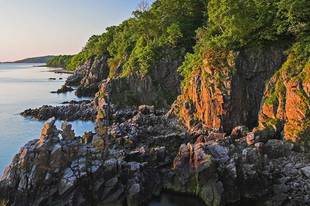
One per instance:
(59, 61)
(251, 24)
(137, 44)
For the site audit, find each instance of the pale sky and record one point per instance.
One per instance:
(30, 28)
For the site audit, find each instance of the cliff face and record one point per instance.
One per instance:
(89, 75)
(227, 90)
(286, 102)
(159, 87)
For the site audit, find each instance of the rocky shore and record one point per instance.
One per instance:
(145, 152)
(82, 110)
(63, 89)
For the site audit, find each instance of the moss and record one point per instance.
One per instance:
(271, 100)
(102, 95)
(278, 91)
(304, 104)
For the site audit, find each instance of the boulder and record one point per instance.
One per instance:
(306, 171)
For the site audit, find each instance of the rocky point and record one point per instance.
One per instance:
(146, 151)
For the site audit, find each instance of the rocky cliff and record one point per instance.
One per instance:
(286, 102)
(226, 91)
(89, 75)
(158, 87)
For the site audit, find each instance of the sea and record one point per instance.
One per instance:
(24, 86)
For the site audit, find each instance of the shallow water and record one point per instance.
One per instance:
(23, 86)
(167, 199)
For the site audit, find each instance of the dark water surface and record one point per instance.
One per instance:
(23, 86)
(168, 199)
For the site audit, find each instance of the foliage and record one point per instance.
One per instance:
(138, 43)
(59, 61)
(251, 24)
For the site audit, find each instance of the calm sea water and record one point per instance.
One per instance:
(23, 86)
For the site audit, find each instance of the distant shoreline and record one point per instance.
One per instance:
(62, 71)
(31, 60)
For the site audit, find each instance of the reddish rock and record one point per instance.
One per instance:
(287, 102)
(223, 94)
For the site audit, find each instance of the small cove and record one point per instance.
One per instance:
(23, 86)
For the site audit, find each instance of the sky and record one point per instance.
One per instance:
(30, 28)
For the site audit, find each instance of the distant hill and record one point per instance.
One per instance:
(42, 59)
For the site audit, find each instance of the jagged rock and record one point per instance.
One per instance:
(217, 168)
(82, 111)
(79, 73)
(67, 183)
(67, 133)
(63, 89)
(133, 195)
(94, 73)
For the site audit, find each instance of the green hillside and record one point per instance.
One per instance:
(42, 59)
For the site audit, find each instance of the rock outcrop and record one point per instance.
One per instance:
(224, 93)
(286, 103)
(83, 110)
(88, 76)
(79, 73)
(145, 152)
(63, 89)
(159, 87)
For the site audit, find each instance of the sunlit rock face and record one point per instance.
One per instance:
(227, 90)
(285, 108)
